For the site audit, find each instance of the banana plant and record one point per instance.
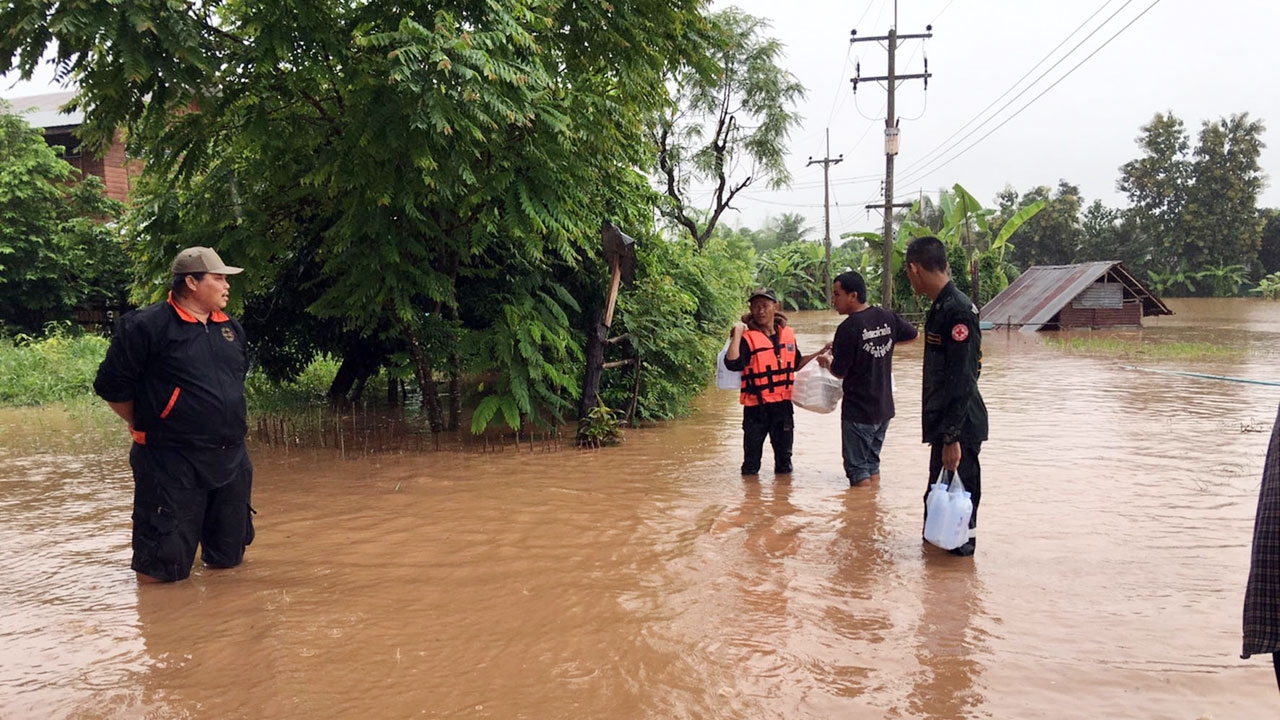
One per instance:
(966, 224)
(1269, 287)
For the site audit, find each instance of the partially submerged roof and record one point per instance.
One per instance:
(1040, 293)
(44, 111)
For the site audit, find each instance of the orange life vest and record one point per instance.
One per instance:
(770, 370)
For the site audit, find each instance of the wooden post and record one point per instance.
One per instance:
(615, 269)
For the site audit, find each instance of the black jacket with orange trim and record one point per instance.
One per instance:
(185, 378)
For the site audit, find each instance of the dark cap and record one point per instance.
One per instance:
(763, 292)
(201, 260)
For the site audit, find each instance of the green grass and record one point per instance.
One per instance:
(57, 368)
(1141, 349)
(308, 389)
(61, 367)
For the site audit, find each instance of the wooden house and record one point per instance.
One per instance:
(1087, 295)
(45, 113)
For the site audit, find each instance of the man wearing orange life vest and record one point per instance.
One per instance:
(764, 349)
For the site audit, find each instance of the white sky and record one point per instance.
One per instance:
(1200, 60)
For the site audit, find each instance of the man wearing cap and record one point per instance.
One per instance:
(764, 349)
(175, 373)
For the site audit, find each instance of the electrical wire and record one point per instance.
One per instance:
(929, 156)
(919, 175)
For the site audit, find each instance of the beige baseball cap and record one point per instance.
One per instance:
(201, 259)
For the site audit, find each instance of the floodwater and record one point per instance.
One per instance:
(652, 581)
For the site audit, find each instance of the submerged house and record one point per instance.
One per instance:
(1086, 295)
(44, 112)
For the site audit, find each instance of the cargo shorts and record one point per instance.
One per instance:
(187, 497)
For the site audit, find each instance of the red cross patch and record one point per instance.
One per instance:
(960, 332)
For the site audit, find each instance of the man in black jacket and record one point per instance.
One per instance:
(175, 373)
(954, 418)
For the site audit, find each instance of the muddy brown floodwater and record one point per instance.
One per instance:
(651, 581)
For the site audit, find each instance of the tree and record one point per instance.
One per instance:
(1110, 234)
(1221, 223)
(1269, 248)
(1054, 235)
(1157, 185)
(1198, 214)
(57, 250)
(429, 181)
(727, 125)
(790, 228)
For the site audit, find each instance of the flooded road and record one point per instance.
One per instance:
(652, 581)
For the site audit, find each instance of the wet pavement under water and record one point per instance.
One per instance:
(652, 581)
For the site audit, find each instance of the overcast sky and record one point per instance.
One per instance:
(1202, 61)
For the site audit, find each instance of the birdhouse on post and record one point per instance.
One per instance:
(620, 253)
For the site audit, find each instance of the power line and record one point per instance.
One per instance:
(929, 155)
(919, 175)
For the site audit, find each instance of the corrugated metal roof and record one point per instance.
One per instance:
(1042, 291)
(42, 111)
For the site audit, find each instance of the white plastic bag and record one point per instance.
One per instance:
(816, 389)
(727, 379)
(947, 512)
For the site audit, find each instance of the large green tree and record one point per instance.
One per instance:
(1221, 222)
(1054, 235)
(58, 251)
(1197, 211)
(728, 125)
(1157, 184)
(428, 177)
(1110, 234)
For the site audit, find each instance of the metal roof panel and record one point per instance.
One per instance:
(1041, 292)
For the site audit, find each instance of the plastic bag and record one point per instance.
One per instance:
(948, 508)
(816, 389)
(727, 379)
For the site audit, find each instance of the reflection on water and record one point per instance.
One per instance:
(651, 581)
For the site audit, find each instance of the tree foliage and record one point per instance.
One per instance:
(1054, 236)
(728, 124)
(676, 316)
(1197, 211)
(422, 181)
(1221, 225)
(58, 250)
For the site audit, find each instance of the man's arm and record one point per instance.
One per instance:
(842, 349)
(735, 358)
(124, 410)
(121, 369)
(904, 332)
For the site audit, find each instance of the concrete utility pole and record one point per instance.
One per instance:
(827, 162)
(891, 81)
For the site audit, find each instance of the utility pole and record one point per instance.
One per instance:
(891, 81)
(827, 162)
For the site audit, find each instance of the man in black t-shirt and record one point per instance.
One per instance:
(862, 354)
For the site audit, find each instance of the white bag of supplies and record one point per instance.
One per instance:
(726, 379)
(816, 389)
(947, 511)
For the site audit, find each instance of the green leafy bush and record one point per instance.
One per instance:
(59, 367)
